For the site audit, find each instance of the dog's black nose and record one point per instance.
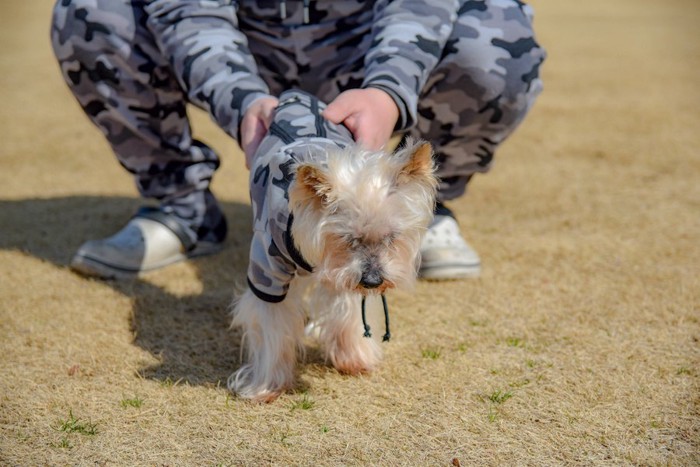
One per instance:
(371, 280)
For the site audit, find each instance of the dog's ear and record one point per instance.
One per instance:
(311, 183)
(420, 163)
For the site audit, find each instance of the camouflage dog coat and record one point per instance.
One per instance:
(298, 133)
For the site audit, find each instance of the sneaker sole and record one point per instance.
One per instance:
(449, 272)
(93, 267)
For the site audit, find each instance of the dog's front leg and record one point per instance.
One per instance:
(272, 334)
(341, 332)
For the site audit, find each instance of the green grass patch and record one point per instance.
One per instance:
(499, 397)
(492, 415)
(515, 342)
(64, 443)
(75, 425)
(135, 402)
(520, 383)
(431, 353)
(305, 403)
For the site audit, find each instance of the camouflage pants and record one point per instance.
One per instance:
(482, 88)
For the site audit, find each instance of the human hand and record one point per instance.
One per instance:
(370, 114)
(255, 124)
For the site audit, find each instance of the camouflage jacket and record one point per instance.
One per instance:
(298, 133)
(212, 61)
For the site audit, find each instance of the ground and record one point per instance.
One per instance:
(578, 345)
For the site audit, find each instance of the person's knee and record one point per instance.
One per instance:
(69, 19)
(79, 28)
(498, 71)
(493, 56)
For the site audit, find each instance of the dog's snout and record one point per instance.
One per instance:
(371, 279)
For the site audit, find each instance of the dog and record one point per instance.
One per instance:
(334, 223)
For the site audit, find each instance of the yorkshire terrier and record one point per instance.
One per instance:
(333, 223)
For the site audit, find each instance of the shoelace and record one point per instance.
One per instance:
(368, 331)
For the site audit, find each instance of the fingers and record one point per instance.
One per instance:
(347, 109)
(340, 109)
(255, 124)
(370, 115)
(254, 136)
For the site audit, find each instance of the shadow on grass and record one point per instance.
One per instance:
(189, 334)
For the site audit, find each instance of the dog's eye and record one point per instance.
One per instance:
(353, 241)
(388, 239)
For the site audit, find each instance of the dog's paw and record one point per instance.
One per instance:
(245, 385)
(353, 368)
(361, 358)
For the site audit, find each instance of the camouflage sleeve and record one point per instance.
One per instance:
(209, 55)
(408, 39)
(269, 272)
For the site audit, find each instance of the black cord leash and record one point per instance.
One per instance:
(368, 331)
(387, 333)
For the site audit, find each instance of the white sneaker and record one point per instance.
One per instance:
(445, 254)
(150, 240)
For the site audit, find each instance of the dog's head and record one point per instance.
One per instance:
(359, 216)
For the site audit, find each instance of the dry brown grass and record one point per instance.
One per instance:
(579, 345)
